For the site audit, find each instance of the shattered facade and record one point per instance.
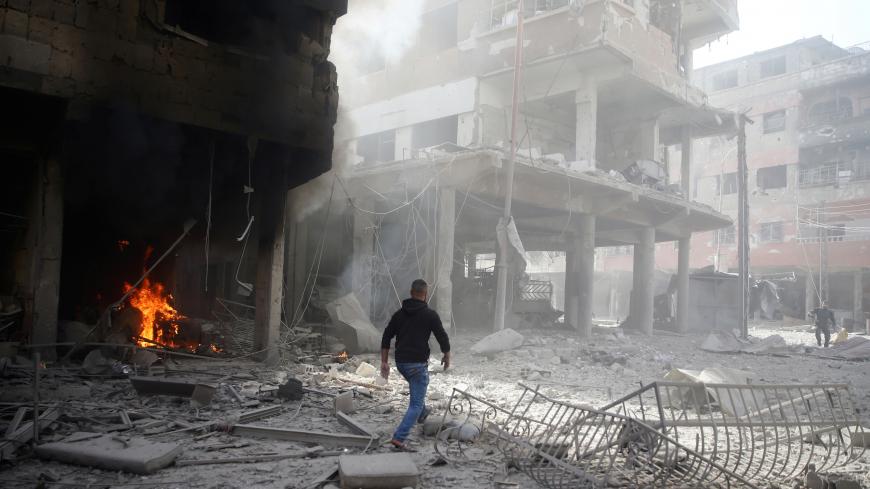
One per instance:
(121, 121)
(606, 89)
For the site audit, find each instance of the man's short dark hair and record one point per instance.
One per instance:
(419, 286)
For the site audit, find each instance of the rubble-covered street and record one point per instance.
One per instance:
(212, 453)
(426, 244)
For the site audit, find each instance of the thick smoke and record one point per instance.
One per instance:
(387, 28)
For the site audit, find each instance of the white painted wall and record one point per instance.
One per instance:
(411, 108)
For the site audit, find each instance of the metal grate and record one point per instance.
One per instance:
(671, 433)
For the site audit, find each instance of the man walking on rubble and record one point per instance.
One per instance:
(412, 325)
(823, 315)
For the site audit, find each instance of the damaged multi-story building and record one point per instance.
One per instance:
(606, 87)
(809, 173)
(130, 127)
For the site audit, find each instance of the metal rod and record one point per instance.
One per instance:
(503, 261)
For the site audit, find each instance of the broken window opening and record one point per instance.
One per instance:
(774, 122)
(434, 132)
(727, 236)
(725, 80)
(727, 183)
(773, 67)
(770, 232)
(830, 111)
(772, 177)
(377, 148)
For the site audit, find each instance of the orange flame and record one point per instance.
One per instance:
(154, 303)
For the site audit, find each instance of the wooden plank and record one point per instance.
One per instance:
(302, 436)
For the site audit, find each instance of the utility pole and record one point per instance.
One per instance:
(823, 253)
(503, 266)
(743, 226)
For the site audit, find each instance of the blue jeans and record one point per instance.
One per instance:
(417, 375)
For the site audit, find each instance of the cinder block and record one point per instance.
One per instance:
(26, 55)
(103, 20)
(22, 5)
(59, 87)
(40, 30)
(64, 12)
(67, 38)
(381, 471)
(41, 8)
(60, 64)
(16, 23)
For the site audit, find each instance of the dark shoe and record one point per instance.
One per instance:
(399, 446)
(424, 415)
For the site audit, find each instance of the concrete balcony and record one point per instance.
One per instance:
(851, 130)
(839, 72)
(706, 20)
(606, 39)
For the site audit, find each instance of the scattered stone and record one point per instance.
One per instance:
(144, 358)
(366, 369)
(343, 403)
(380, 471)
(506, 339)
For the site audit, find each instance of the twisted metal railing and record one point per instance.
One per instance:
(666, 433)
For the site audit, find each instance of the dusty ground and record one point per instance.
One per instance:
(566, 371)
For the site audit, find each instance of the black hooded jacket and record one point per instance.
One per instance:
(412, 326)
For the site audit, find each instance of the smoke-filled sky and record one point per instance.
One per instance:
(766, 24)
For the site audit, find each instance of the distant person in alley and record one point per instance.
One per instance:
(412, 326)
(825, 323)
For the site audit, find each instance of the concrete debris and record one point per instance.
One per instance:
(353, 326)
(303, 436)
(357, 427)
(18, 434)
(506, 339)
(199, 393)
(381, 471)
(366, 369)
(726, 342)
(95, 363)
(343, 403)
(854, 348)
(144, 358)
(135, 455)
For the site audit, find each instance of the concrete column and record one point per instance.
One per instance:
(444, 255)
(586, 139)
(585, 273)
(571, 301)
(272, 191)
(643, 281)
(649, 140)
(296, 267)
(683, 285)
(363, 256)
(46, 234)
(809, 294)
(686, 163)
(689, 61)
(858, 299)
